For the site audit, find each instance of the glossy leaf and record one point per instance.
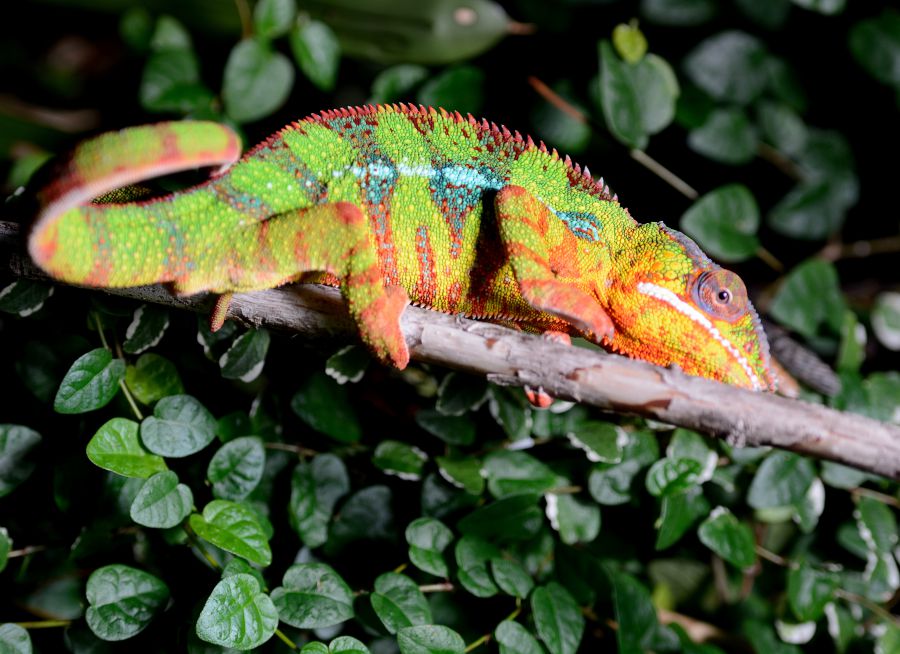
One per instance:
(325, 406)
(399, 603)
(513, 638)
(726, 536)
(428, 538)
(317, 52)
(668, 476)
(456, 430)
(237, 468)
(17, 443)
(273, 18)
(430, 639)
(257, 82)
(678, 12)
(14, 639)
(629, 42)
(886, 320)
(459, 393)
(367, 514)
(312, 596)
(146, 329)
(91, 382)
(400, 459)
(116, 447)
(472, 556)
(576, 521)
(162, 502)
(316, 487)
(512, 472)
(810, 299)
(727, 136)
(122, 601)
(180, 426)
(601, 441)
(557, 618)
(153, 377)
(396, 82)
(619, 100)
(809, 591)
(875, 42)
(24, 297)
(246, 357)
(511, 577)
(234, 528)
(730, 66)
(724, 222)
(460, 87)
(237, 614)
(348, 364)
(516, 517)
(678, 512)
(462, 473)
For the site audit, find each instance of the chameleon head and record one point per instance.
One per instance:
(672, 305)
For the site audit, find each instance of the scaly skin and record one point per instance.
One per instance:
(394, 203)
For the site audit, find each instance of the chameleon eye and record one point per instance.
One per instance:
(721, 294)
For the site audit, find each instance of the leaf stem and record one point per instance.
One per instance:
(243, 10)
(860, 249)
(781, 162)
(100, 333)
(478, 643)
(444, 587)
(664, 174)
(769, 259)
(195, 541)
(130, 398)
(25, 551)
(874, 607)
(287, 447)
(284, 639)
(44, 624)
(884, 498)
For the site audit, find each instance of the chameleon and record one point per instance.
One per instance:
(396, 204)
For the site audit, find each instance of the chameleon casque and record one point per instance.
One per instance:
(395, 204)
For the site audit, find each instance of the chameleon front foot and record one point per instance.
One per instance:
(538, 397)
(220, 312)
(379, 326)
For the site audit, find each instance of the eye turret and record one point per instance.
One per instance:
(721, 294)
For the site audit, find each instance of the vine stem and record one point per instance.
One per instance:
(243, 10)
(478, 643)
(122, 385)
(875, 495)
(284, 639)
(445, 587)
(287, 447)
(25, 551)
(192, 537)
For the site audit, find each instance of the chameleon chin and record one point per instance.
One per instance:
(397, 204)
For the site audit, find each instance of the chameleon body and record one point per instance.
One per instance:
(398, 203)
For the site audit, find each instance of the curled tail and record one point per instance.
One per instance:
(131, 243)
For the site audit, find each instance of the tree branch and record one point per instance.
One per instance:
(607, 381)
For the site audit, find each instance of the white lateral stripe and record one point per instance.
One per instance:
(683, 307)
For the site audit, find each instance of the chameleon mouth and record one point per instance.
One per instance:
(667, 296)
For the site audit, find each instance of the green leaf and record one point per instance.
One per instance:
(116, 447)
(841, 476)
(257, 82)
(629, 42)
(317, 52)
(458, 87)
(462, 473)
(781, 480)
(316, 487)
(24, 297)
(877, 525)
(122, 601)
(180, 426)
(724, 222)
(656, 86)
(367, 514)
(508, 408)
(809, 590)
(162, 502)
(556, 126)
(234, 528)
(575, 520)
(886, 320)
(809, 211)
(459, 394)
(557, 618)
(153, 377)
(852, 350)
(601, 441)
(273, 18)
(619, 100)
(14, 639)
(348, 364)
(611, 484)
(729, 538)
(678, 512)
(91, 382)
(635, 614)
(400, 459)
(770, 14)
(472, 555)
(430, 639)
(347, 645)
(727, 136)
(730, 66)
(809, 299)
(246, 357)
(517, 517)
(511, 577)
(875, 42)
(398, 602)
(237, 614)
(686, 444)
(889, 641)
(668, 476)
(513, 638)
(313, 596)
(455, 430)
(428, 538)
(16, 444)
(513, 472)
(678, 13)
(396, 82)
(237, 566)
(171, 82)
(237, 468)
(782, 127)
(147, 328)
(5, 547)
(170, 34)
(325, 406)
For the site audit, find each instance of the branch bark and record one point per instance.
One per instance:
(607, 381)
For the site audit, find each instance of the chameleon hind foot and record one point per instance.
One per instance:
(538, 397)
(379, 326)
(220, 312)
